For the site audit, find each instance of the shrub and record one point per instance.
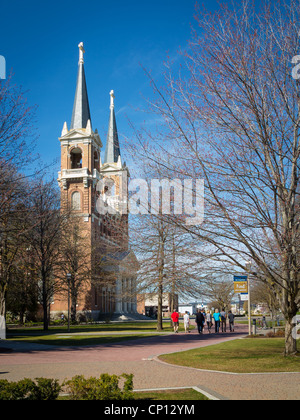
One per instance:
(27, 389)
(45, 389)
(104, 388)
(278, 333)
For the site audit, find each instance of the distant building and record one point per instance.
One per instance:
(147, 304)
(192, 308)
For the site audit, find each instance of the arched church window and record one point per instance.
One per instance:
(75, 201)
(76, 158)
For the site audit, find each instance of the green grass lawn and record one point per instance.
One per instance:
(171, 395)
(239, 356)
(166, 395)
(77, 340)
(86, 335)
(110, 327)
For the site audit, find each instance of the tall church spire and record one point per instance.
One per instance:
(81, 110)
(112, 150)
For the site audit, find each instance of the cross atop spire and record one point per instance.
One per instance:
(81, 52)
(112, 99)
(81, 109)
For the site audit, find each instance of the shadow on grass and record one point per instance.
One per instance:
(26, 342)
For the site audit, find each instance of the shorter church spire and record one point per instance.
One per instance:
(81, 109)
(112, 150)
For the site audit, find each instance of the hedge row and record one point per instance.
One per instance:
(78, 388)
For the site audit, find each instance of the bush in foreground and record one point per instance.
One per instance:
(104, 388)
(39, 390)
(79, 388)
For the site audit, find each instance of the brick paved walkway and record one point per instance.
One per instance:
(139, 357)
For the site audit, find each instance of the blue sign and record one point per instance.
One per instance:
(240, 278)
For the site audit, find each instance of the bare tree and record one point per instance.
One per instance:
(232, 117)
(15, 153)
(220, 292)
(152, 257)
(22, 291)
(263, 293)
(74, 259)
(168, 260)
(43, 222)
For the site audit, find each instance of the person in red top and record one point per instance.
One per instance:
(175, 319)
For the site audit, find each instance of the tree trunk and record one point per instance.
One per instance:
(159, 307)
(161, 267)
(2, 300)
(172, 306)
(21, 317)
(2, 315)
(45, 316)
(290, 341)
(45, 303)
(73, 310)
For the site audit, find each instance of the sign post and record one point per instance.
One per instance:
(242, 286)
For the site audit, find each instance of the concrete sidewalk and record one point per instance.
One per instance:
(140, 358)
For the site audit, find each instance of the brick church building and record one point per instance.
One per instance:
(95, 194)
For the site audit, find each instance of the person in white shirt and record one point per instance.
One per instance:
(186, 321)
(208, 320)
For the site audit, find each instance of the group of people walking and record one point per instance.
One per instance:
(205, 319)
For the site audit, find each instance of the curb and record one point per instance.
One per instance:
(155, 359)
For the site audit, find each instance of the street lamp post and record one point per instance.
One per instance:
(248, 269)
(69, 280)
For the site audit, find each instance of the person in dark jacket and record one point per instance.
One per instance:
(231, 321)
(200, 321)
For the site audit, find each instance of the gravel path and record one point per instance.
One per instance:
(140, 358)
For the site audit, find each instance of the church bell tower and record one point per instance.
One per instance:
(78, 178)
(80, 154)
(84, 183)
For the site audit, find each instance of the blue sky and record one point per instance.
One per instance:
(39, 41)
